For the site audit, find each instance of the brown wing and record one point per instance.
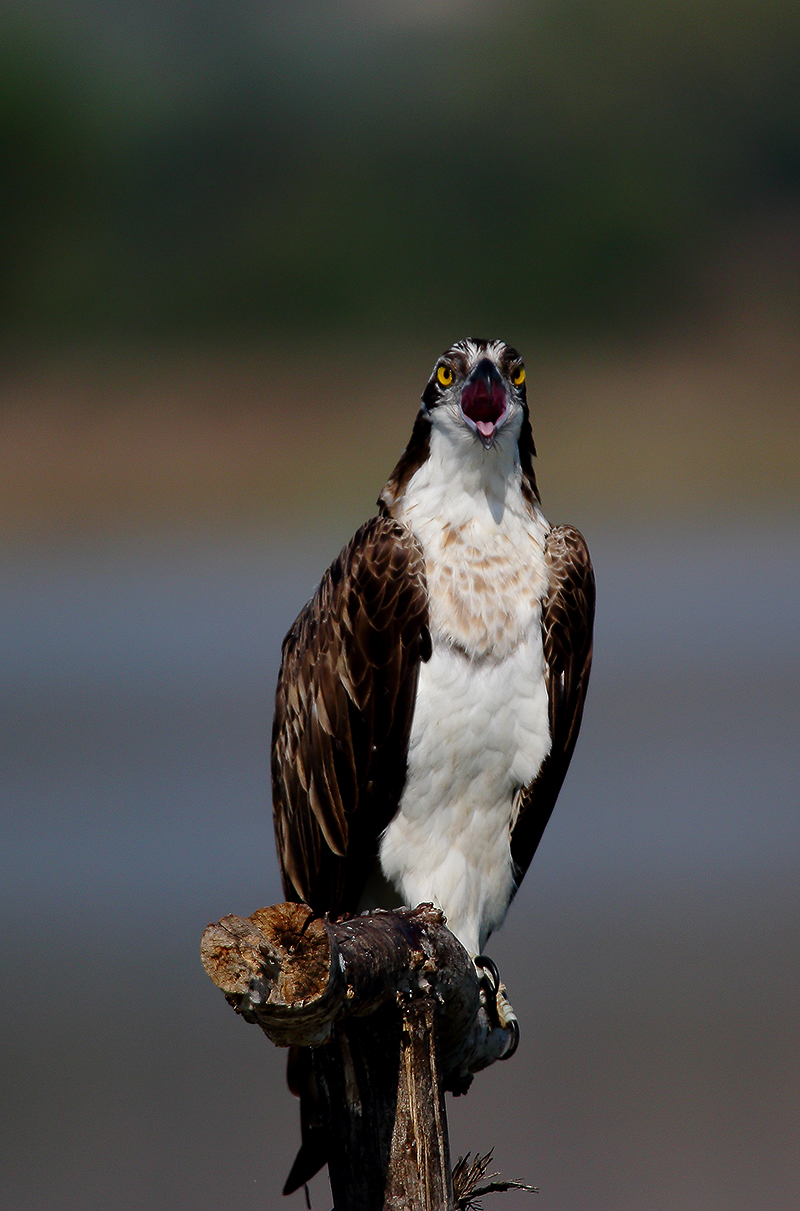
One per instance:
(343, 711)
(567, 624)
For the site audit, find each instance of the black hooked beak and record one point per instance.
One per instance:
(484, 401)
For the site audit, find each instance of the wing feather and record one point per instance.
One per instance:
(343, 712)
(567, 626)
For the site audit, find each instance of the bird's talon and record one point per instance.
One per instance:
(513, 1026)
(489, 976)
(496, 1003)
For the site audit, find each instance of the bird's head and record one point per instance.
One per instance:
(478, 386)
(474, 407)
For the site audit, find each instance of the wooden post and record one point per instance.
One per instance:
(391, 1003)
(384, 1112)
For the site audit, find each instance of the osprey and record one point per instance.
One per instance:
(431, 692)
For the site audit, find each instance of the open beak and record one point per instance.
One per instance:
(484, 401)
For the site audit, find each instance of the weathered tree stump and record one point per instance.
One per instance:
(392, 1005)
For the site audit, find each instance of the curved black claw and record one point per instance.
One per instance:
(490, 980)
(513, 1026)
(497, 1004)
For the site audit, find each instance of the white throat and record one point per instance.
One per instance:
(483, 543)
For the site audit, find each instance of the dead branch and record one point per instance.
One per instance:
(298, 975)
(393, 1008)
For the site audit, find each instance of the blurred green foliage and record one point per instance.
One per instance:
(214, 170)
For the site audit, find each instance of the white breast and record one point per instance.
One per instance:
(480, 729)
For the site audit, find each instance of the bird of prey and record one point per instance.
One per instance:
(431, 692)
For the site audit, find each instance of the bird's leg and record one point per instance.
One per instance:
(496, 1003)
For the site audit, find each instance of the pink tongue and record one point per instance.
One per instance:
(485, 427)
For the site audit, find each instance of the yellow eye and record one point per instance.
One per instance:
(444, 375)
(519, 377)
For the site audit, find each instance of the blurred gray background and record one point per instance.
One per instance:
(234, 240)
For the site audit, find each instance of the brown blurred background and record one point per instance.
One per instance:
(234, 240)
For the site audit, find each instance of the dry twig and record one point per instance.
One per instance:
(468, 1173)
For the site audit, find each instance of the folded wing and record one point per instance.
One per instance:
(343, 712)
(567, 626)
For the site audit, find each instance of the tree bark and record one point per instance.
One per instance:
(383, 1104)
(392, 1005)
